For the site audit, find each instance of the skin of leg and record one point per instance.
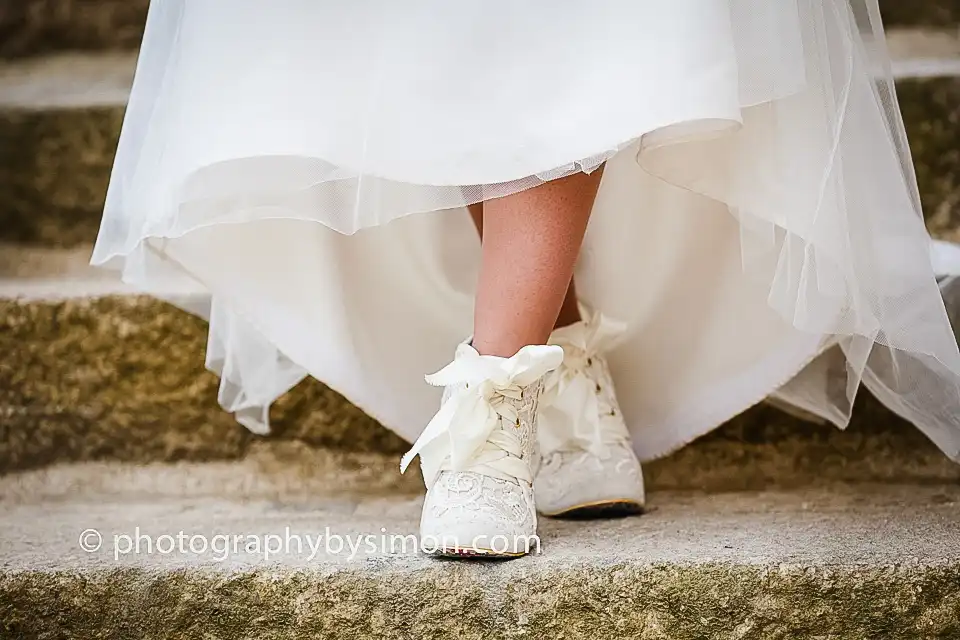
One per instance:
(531, 241)
(570, 309)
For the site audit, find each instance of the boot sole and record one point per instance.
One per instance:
(475, 553)
(601, 509)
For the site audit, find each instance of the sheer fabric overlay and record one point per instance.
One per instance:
(758, 227)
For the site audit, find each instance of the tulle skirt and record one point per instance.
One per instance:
(758, 230)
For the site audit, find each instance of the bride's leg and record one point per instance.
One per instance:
(531, 240)
(570, 309)
(480, 490)
(602, 477)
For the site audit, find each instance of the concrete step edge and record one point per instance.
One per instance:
(50, 273)
(832, 562)
(266, 471)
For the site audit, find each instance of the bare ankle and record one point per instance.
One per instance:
(506, 345)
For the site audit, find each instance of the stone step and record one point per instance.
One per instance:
(96, 371)
(32, 27)
(932, 13)
(60, 119)
(831, 561)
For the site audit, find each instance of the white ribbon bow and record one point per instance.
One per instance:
(463, 435)
(570, 413)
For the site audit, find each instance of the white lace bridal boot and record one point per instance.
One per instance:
(587, 464)
(477, 454)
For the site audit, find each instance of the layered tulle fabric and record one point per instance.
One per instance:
(757, 229)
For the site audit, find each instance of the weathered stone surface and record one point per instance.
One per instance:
(30, 27)
(54, 170)
(270, 470)
(867, 562)
(932, 13)
(55, 165)
(931, 111)
(121, 378)
(77, 80)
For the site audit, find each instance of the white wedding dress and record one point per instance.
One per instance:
(758, 229)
